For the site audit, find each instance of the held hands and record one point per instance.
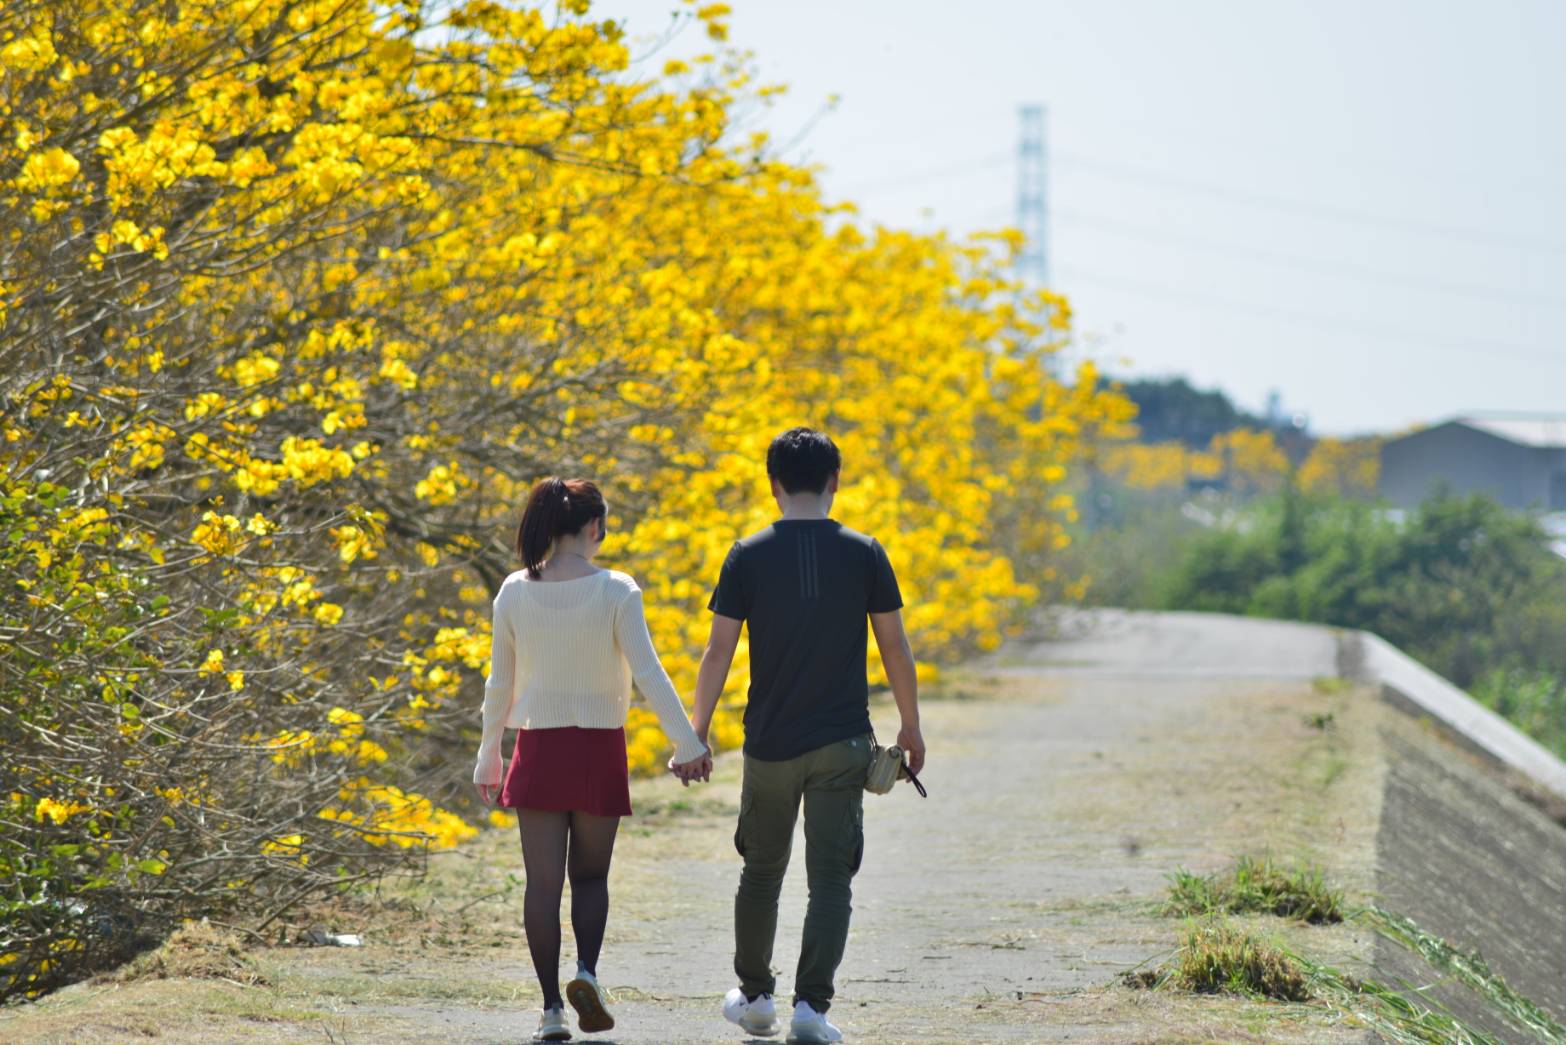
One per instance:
(699, 768)
(912, 742)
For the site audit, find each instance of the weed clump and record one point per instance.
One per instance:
(1214, 957)
(1256, 886)
(1217, 958)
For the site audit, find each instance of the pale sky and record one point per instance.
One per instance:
(1355, 202)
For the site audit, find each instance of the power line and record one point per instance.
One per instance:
(929, 174)
(1330, 268)
(1287, 147)
(1342, 214)
(1535, 352)
(1227, 193)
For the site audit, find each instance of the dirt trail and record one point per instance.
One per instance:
(1067, 779)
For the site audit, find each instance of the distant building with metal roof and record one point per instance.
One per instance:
(1518, 459)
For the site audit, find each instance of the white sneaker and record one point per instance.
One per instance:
(590, 1001)
(552, 1026)
(810, 1027)
(759, 1017)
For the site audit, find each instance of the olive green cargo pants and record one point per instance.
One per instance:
(830, 781)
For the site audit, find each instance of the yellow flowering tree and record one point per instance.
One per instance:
(1159, 466)
(1253, 462)
(1345, 467)
(297, 297)
(1244, 461)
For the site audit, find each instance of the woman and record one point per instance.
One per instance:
(568, 638)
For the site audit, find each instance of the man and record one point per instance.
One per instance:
(804, 585)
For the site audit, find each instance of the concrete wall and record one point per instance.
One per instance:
(1471, 862)
(1421, 692)
(1460, 850)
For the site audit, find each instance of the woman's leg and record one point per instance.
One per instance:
(544, 859)
(592, 846)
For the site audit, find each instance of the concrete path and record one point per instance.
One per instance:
(1067, 779)
(1059, 801)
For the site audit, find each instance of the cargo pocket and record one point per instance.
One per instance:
(747, 803)
(858, 826)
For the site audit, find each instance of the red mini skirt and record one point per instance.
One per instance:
(569, 769)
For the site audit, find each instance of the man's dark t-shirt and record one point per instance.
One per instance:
(805, 587)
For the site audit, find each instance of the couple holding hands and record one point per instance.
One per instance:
(568, 639)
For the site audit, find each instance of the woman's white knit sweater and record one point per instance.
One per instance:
(563, 653)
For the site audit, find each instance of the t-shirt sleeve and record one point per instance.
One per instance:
(729, 598)
(884, 593)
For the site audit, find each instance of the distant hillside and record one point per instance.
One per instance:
(1169, 409)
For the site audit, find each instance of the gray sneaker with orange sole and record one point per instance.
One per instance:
(590, 1001)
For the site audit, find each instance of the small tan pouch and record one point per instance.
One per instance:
(887, 766)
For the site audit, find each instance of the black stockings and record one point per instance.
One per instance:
(554, 846)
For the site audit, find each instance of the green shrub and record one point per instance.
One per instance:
(1534, 701)
(1464, 585)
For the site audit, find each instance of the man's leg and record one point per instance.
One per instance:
(834, 844)
(769, 805)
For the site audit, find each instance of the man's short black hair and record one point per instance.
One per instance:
(802, 460)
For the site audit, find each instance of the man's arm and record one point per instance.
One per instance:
(898, 659)
(716, 660)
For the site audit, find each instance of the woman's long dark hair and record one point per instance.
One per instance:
(556, 508)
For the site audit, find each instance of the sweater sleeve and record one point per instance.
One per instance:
(498, 690)
(630, 631)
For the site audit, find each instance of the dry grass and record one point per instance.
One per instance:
(196, 950)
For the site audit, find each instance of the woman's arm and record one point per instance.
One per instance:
(630, 629)
(498, 690)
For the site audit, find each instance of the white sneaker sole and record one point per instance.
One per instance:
(745, 1023)
(767, 1031)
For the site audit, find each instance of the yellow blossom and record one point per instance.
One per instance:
(48, 171)
(218, 533)
(56, 811)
